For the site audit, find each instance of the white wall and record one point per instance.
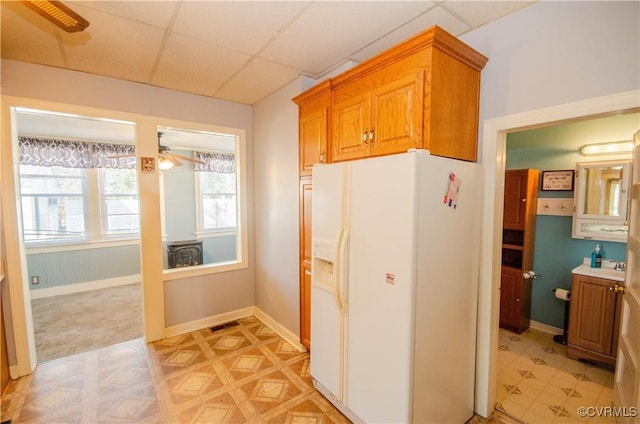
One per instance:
(189, 299)
(276, 173)
(556, 52)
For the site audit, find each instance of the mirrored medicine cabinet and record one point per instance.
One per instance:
(601, 199)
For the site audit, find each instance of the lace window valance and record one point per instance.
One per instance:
(216, 162)
(75, 154)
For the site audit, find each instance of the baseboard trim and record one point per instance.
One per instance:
(291, 338)
(84, 287)
(546, 328)
(212, 321)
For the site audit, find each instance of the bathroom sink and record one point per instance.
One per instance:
(607, 271)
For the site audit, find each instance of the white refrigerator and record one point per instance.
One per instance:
(394, 287)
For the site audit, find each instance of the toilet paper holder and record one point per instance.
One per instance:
(565, 295)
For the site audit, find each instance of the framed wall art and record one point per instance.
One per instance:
(557, 180)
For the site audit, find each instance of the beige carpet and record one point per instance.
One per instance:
(80, 322)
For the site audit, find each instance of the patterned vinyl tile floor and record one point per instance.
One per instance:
(538, 383)
(244, 373)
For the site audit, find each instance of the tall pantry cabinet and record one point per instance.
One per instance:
(313, 135)
(518, 234)
(423, 93)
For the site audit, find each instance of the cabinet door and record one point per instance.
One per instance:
(515, 198)
(305, 262)
(313, 139)
(592, 314)
(510, 298)
(351, 128)
(396, 115)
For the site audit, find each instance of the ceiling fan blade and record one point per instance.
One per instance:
(170, 158)
(59, 14)
(188, 159)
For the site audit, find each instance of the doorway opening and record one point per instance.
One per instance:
(536, 379)
(494, 146)
(79, 211)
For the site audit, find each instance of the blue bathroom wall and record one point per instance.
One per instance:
(555, 255)
(556, 252)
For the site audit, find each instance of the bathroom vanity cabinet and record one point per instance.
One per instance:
(594, 319)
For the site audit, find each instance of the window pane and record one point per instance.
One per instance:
(214, 182)
(120, 181)
(53, 205)
(219, 211)
(51, 170)
(53, 217)
(50, 185)
(120, 201)
(218, 193)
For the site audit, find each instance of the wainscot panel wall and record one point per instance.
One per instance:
(61, 268)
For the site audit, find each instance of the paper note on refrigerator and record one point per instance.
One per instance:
(451, 197)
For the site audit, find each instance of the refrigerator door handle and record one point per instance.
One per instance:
(337, 266)
(342, 269)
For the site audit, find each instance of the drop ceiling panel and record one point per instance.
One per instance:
(257, 80)
(208, 67)
(116, 47)
(28, 37)
(327, 34)
(243, 26)
(434, 16)
(477, 13)
(159, 15)
(225, 42)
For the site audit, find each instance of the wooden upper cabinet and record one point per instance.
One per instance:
(314, 126)
(396, 115)
(382, 121)
(350, 128)
(422, 93)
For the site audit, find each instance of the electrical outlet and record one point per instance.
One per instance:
(35, 280)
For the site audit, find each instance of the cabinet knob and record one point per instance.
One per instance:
(517, 299)
(364, 137)
(524, 200)
(619, 289)
(323, 157)
(372, 135)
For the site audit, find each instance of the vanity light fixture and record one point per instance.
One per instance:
(59, 14)
(614, 147)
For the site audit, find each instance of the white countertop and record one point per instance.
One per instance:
(607, 271)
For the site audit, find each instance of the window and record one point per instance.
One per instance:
(53, 205)
(203, 193)
(217, 200)
(73, 190)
